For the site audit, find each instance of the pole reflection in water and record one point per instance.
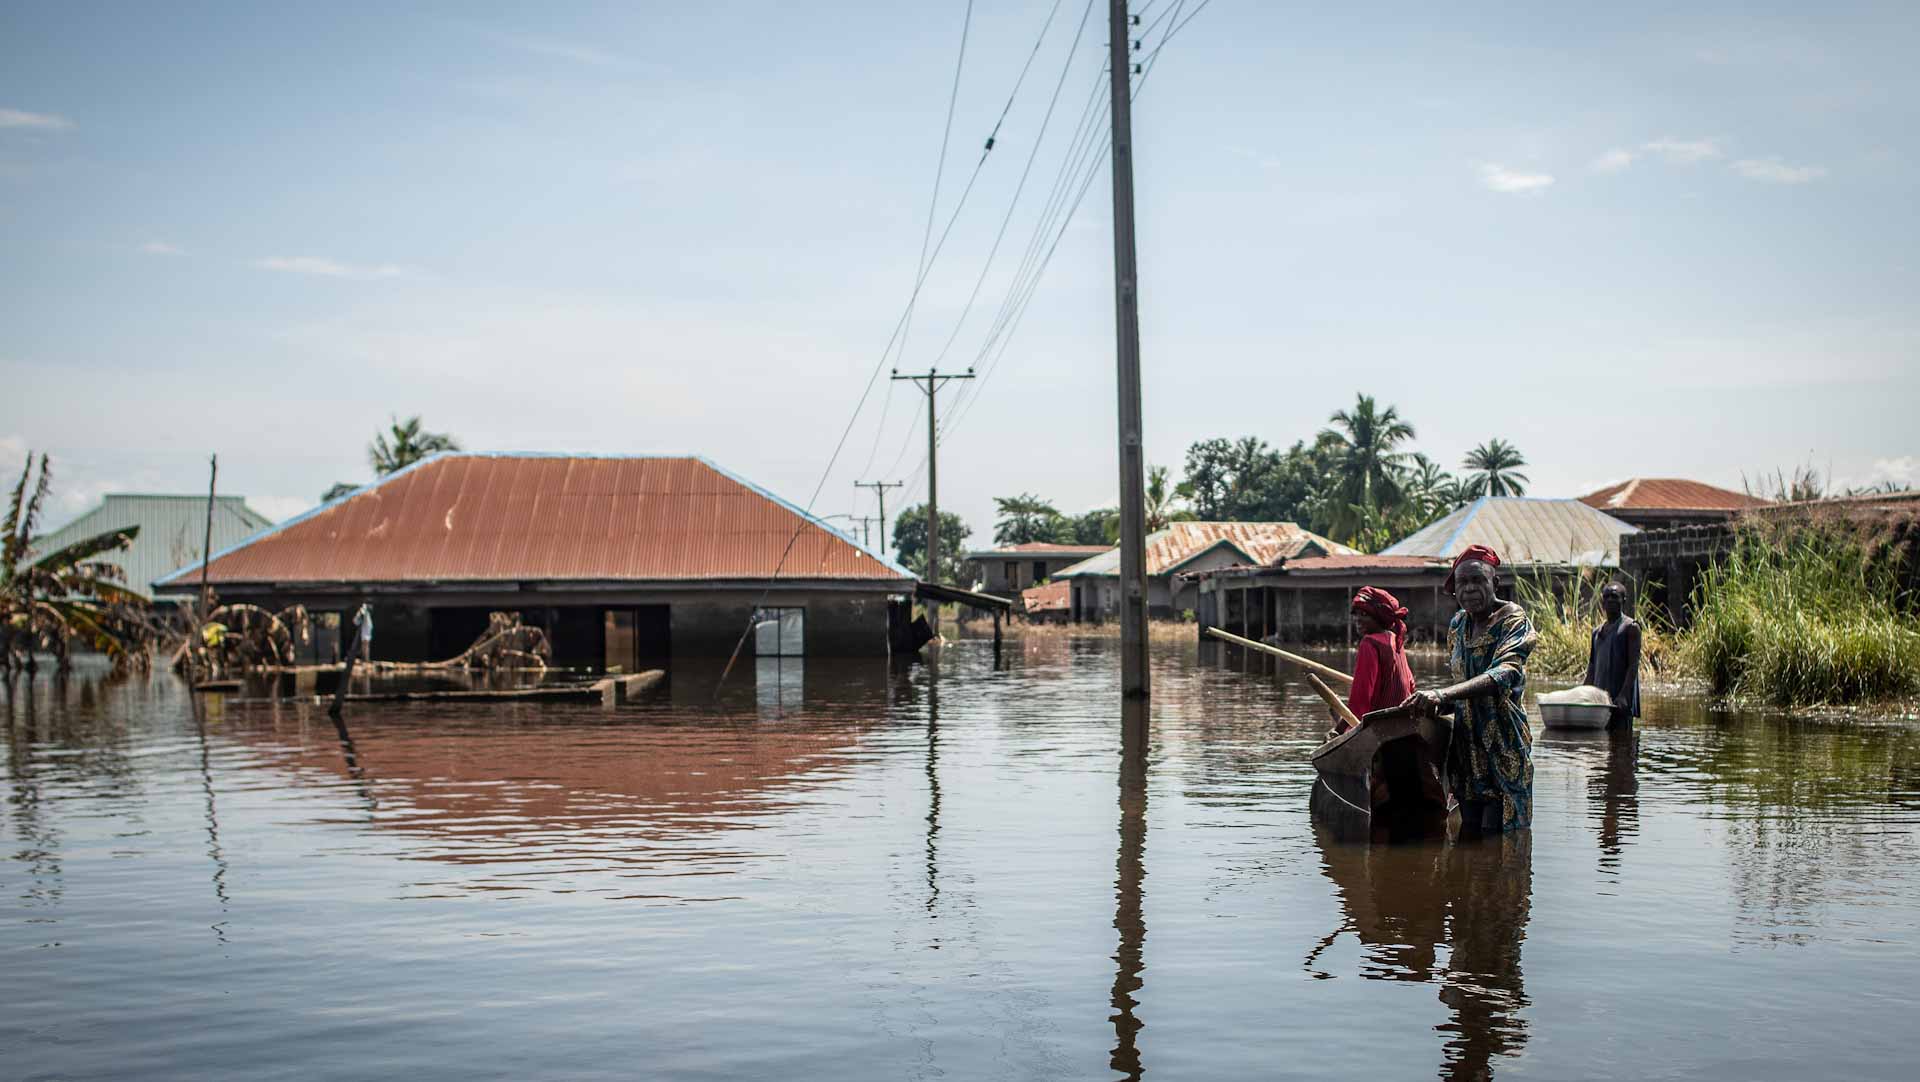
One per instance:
(1129, 878)
(351, 755)
(1404, 902)
(933, 796)
(213, 819)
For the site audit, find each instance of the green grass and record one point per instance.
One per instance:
(1803, 617)
(1563, 623)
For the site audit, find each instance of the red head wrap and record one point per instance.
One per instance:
(1385, 608)
(1481, 553)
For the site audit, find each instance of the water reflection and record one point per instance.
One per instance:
(1405, 903)
(1130, 875)
(1611, 762)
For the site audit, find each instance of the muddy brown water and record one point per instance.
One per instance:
(855, 872)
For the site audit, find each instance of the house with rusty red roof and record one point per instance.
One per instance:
(1008, 570)
(1653, 503)
(624, 560)
(1180, 549)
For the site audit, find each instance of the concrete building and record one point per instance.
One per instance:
(1187, 547)
(625, 561)
(172, 531)
(1010, 569)
(1654, 503)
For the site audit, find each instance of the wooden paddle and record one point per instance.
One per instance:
(1339, 708)
(1312, 667)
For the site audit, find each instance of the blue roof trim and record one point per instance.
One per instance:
(169, 578)
(1473, 509)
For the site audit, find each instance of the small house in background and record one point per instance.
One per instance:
(1186, 547)
(1306, 598)
(624, 561)
(1048, 603)
(1654, 503)
(172, 530)
(1010, 569)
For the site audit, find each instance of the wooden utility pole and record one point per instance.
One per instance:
(880, 489)
(206, 545)
(930, 383)
(1134, 679)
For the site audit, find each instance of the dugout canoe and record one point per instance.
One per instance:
(1388, 776)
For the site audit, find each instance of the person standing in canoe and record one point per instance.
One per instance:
(1488, 643)
(1381, 677)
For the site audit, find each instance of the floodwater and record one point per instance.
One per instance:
(843, 871)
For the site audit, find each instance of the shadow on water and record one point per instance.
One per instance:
(1452, 914)
(1130, 873)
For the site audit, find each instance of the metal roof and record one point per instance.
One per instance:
(1048, 597)
(1523, 531)
(1668, 494)
(172, 529)
(1036, 548)
(460, 517)
(1181, 542)
(1379, 564)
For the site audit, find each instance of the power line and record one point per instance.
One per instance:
(940, 170)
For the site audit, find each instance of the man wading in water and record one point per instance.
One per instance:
(1613, 661)
(1488, 640)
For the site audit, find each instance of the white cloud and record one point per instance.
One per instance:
(1684, 151)
(328, 268)
(1499, 178)
(1613, 160)
(1904, 470)
(16, 118)
(159, 247)
(1775, 171)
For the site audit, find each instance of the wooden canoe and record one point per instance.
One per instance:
(1387, 776)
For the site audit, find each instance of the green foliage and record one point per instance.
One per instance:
(49, 599)
(1027, 518)
(408, 445)
(1565, 612)
(1368, 468)
(1493, 469)
(910, 543)
(1801, 615)
(1097, 527)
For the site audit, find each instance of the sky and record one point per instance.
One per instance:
(1633, 239)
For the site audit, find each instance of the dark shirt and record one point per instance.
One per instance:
(1612, 664)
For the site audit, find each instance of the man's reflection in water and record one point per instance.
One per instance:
(1404, 902)
(1617, 791)
(1129, 876)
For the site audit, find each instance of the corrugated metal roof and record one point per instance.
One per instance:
(1668, 494)
(1522, 531)
(1260, 542)
(1308, 565)
(1051, 597)
(1030, 548)
(461, 517)
(172, 529)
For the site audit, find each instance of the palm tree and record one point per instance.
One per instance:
(1025, 518)
(1430, 491)
(46, 602)
(1494, 470)
(1363, 443)
(1163, 501)
(409, 445)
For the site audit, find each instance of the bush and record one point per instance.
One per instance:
(1564, 615)
(1803, 615)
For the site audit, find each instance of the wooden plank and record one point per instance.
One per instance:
(1326, 671)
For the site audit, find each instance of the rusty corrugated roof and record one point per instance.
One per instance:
(1261, 542)
(1668, 494)
(1047, 548)
(1050, 597)
(1308, 565)
(520, 517)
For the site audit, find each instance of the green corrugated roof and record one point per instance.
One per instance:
(171, 531)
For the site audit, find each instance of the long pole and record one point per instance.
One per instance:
(206, 544)
(880, 489)
(931, 382)
(1134, 679)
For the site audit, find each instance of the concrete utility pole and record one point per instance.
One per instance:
(930, 383)
(880, 489)
(1134, 680)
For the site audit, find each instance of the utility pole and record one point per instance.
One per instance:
(930, 383)
(880, 489)
(206, 545)
(1134, 680)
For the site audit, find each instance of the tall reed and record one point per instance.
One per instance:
(1564, 613)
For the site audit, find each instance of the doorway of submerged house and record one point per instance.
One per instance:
(628, 639)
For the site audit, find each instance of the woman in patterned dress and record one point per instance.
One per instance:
(1488, 642)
